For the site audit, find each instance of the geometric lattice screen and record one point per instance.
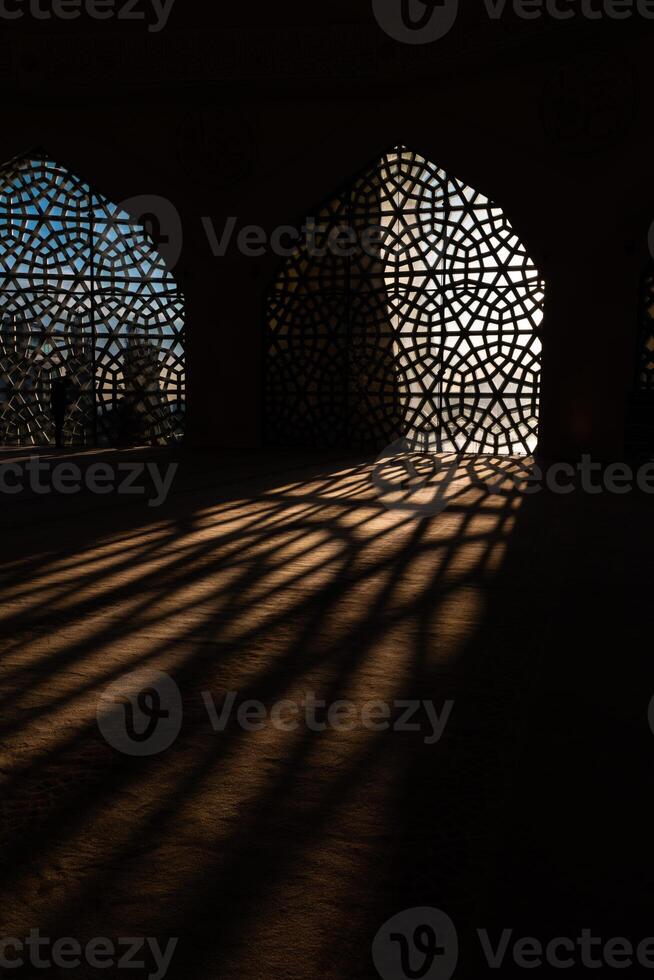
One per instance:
(83, 295)
(426, 328)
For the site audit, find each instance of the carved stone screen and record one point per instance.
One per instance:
(84, 295)
(409, 308)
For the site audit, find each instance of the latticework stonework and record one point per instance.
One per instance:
(421, 319)
(83, 293)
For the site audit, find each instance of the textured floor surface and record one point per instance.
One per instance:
(279, 854)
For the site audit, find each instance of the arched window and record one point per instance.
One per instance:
(412, 309)
(84, 295)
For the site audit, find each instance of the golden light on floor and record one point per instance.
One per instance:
(313, 587)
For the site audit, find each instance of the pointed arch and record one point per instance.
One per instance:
(84, 295)
(428, 328)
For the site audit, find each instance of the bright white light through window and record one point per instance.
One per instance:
(433, 336)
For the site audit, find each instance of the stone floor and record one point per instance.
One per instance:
(280, 853)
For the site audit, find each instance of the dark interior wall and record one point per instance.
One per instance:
(260, 116)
